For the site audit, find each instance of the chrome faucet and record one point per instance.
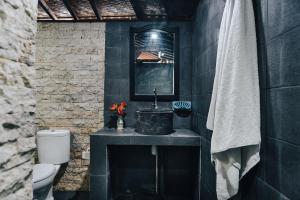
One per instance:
(155, 99)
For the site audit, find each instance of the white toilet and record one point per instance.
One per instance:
(53, 150)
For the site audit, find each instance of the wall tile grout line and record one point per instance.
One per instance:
(282, 34)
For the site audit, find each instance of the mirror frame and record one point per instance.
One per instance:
(137, 97)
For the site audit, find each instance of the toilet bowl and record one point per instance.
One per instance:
(53, 149)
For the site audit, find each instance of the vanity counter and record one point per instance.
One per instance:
(128, 136)
(102, 139)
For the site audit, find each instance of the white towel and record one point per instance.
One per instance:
(234, 113)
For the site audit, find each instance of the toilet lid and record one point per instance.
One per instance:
(42, 171)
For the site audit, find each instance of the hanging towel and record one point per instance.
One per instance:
(234, 113)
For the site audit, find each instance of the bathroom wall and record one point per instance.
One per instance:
(17, 103)
(281, 28)
(278, 30)
(205, 39)
(70, 88)
(117, 69)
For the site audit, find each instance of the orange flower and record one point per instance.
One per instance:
(113, 107)
(124, 104)
(121, 109)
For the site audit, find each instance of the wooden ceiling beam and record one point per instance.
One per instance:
(69, 8)
(138, 12)
(95, 9)
(174, 10)
(47, 9)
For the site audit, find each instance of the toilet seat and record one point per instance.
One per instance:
(43, 174)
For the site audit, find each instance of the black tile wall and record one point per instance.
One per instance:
(117, 69)
(283, 15)
(283, 169)
(278, 30)
(204, 40)
(284, 60)
(284, 114)
(262, 190)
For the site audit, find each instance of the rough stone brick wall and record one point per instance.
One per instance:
(70, 88)
(17, 104)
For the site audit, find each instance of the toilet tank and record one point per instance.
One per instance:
(53, 146)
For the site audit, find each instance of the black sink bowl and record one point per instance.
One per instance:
(154, 122)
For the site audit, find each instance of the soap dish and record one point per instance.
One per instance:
(182, 105)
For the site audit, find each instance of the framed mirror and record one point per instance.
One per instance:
(154, 63)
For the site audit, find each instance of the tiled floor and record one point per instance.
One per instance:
(60, 195)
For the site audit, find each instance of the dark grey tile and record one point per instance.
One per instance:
(213, 9)
(181, 122)
(261, 16)
(125, 51)
(208, 175)
(110, 88)
(273, 68)
(284, 60)
(185, 87)
(260, 168)
(282, 167)
(185, 38)
(185, 64)
(283, 114)
(290, 57)
(153, 140)
(261, 191)
(282, 16)
(260, 11)
(110, 99)
(112, 140)
(186, 141)
(98, 187)
(212, 32)
(185, 97)
(205, 103)
(112, 39)
(98, 164)
(211, 57)
(116, 86)
(112, 54)
(210, 81)
(206, 194)
(113, 27)
(125, 55)
(114, 70)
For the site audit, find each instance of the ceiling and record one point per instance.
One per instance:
(115, 10)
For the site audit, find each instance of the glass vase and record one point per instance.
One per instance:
(120, 123)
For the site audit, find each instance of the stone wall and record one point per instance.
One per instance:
(17, 104)
(70, 88)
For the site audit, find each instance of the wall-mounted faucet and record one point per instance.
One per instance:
(155, 99)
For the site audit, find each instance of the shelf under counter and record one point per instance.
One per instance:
(102, 140)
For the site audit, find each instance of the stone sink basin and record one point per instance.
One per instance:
(154, 122)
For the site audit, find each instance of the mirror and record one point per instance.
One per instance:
(154, 63)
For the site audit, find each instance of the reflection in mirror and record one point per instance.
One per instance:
(154, 60)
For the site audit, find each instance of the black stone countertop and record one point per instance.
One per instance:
(181, 137)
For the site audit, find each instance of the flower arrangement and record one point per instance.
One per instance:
(119, 109)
